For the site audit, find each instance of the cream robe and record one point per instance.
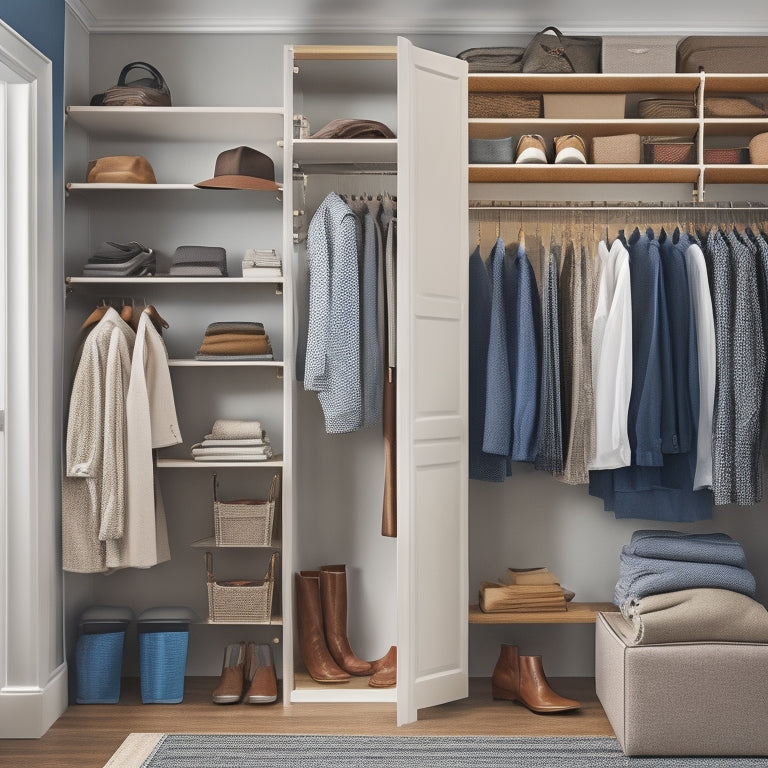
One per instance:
(151, 422)
(93, 488)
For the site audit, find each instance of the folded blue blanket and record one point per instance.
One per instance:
(688, 547)
(641, 576)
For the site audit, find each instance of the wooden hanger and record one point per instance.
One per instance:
(96, 315)
(155, 317)
(127, 314)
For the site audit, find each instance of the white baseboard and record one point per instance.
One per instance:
(27, 713)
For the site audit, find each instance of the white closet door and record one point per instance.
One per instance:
(432, 358)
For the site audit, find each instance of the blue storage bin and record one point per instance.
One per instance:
(99, 654)
(163, 644)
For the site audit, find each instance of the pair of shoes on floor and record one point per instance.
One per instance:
(321, 608)
(522, 679)
(247, 674)
(569, 148)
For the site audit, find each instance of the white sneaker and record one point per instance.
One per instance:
(531, 149)
(570, 149)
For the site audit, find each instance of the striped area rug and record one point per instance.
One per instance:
(156, 750)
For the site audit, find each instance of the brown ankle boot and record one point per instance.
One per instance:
(333, 595)
(314, 651)
(522, 679)
(260, 675)
(230, 687)
(385, 670)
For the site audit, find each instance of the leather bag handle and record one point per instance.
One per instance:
(147, 68)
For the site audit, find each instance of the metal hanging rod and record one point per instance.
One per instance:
(721, 208)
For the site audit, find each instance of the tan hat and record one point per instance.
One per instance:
(121, 169)
(242, 168)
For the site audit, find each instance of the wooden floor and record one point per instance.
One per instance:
(85, 736)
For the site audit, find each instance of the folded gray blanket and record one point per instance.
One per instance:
(695, 615)
(688, 547)
(641, 576)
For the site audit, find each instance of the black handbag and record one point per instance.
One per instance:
(558, 53)
(144, 92)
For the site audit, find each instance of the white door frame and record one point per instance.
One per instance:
(33, 674)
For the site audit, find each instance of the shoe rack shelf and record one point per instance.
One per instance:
(575, 613)
(703, 131)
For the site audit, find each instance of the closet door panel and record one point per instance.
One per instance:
(432, 380)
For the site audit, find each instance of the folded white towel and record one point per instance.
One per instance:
(234, 457)
(211, 442)
(254, 450)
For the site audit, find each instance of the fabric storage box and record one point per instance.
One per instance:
(244, 522)
(639, 53)
(624, 149)
(726, 155)
(240, 600)
(666, 109)
(163, 644)
(723, 53)
(682, 698)
(669, 151)
(99, 654)
(492, 150)
(503, 105)
(584, 105)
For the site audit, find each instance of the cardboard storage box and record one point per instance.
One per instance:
(639, 53)
(586, 105)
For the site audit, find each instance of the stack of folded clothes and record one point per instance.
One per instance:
(199, 261)
(234, 440)
(676, 587)
(524, 590)
(235, 340)
(262, 263)
(121, 260)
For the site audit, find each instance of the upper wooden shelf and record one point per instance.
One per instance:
(575, 613)
(220, 124)
(275, 461)
(346, 151)
(736, 83)
(584, 173)
(598, 83)
(170, 279)
(344, 52)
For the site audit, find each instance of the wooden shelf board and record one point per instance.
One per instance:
(737, 126)
(736, 174)
(719, 82)
(576, 613)
(170, 280)
(579, 83)
(495, 128)
(80, 186)
(344, 52)
(183, 363)
(314, 151)
(275, 461)
(210, 542)
(584, 173)
(219, 124)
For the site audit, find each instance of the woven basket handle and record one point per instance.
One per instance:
(209, 566)
(148, 68)
(274, 487)
(270, 574)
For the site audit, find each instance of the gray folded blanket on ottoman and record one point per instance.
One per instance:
(694, 615)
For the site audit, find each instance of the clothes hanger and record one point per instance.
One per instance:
(157, 320)
(126, 312)
(95, 315)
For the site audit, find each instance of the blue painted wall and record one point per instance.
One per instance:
(41, 23)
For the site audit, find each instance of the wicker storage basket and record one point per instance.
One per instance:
(504, 105)
(669, 150)
(666, 109)
(244, 521)
(240, 600)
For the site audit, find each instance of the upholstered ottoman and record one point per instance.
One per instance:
(682, 698)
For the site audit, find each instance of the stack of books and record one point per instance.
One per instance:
(522, 590)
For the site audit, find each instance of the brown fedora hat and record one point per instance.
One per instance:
(242, 168)
(120, 169)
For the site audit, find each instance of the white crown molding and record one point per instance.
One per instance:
(365, 24)
(83, 14)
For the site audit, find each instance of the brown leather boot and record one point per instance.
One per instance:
(260, 675)
(522, 679)
(314, 651)
(230, 687)
(385, 670)
(333, 596)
